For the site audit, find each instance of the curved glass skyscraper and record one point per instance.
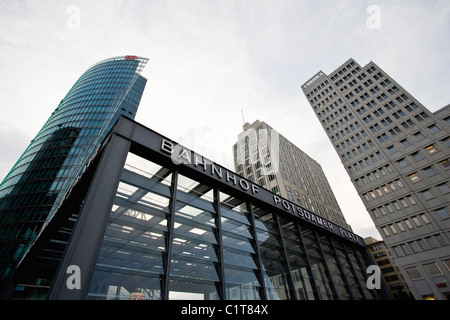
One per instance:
(43, 175)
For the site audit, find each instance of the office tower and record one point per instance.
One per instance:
(391, 275)
(44, 174)
(267, 158)
(159, 222)
(396, 153)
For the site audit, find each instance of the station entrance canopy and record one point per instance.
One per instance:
(152, 219)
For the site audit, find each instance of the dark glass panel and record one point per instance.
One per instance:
(274, 268)
(130, 262)
(194, 261)
(297, 259)
(240, 260)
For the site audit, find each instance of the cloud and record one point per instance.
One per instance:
(210, 59)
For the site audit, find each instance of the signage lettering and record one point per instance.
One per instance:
(349, 235)
(302, 213)
(311, 217)
(182, 155)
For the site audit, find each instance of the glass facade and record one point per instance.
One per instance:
(151, 228)
(170, 236)
(44, 174)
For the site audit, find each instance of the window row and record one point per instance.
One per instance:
(365, 162)
(346, 70)
(403, 225)
(384, 190)
(394, 131)
(426, 172)
(316, 90)
(374, 175)
(420, 245)
(426, 195)
(432, 269)
(431, 149)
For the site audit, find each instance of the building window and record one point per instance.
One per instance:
(442, 213)
(402, 163)
(417, 156)
(412, 200)
(404, 203)
(421, 117)
(431, 242)
(447, 264)
(444, 188)
(409, 224)
(400, 226)
(422, 244)
(427, 194)
(414, 246)
(433, 269)
(417, 221)
(425, 218)
(392, 150)
(383, 138)
(419, 136)
(447, 142)
(431, 149)
(392, 185)
(430, 172)
(399, 251)
(394, 231)
(414, 273)
(434, 128)
(414, 178)
(405, 143)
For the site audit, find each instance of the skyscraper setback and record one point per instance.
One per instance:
(396, 153)
(39, 181)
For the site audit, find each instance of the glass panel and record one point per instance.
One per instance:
(274, 268)
(297, 260)
(333, 268)
(348, 272)
(130, 263)
(317, 265)
(356, 256)
(240, 260)
(193, 267)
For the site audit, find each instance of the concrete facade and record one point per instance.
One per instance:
(269, 159)
(396, 153)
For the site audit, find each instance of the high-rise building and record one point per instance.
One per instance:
(267, 158)
(396, 153)
(44, 174)
(394, 280)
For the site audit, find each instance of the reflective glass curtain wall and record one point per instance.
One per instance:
(35, 186)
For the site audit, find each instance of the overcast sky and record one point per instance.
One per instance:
(211, 58)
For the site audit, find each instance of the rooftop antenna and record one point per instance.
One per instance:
(243, 121)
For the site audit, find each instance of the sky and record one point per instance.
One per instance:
(215, 62)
